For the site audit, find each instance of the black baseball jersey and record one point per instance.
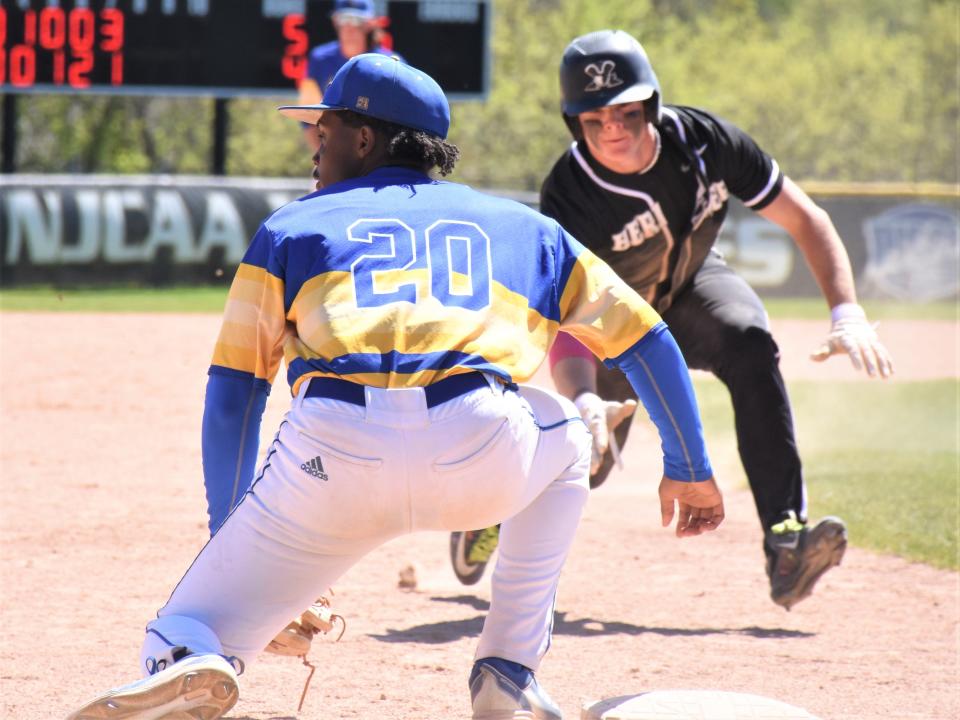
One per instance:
(656, 227)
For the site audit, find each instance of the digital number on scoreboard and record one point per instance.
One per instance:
(223, 48)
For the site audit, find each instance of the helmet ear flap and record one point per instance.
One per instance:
(573, 125)
(651, 109)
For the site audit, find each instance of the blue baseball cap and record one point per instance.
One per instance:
(355, 8)
(382, 87)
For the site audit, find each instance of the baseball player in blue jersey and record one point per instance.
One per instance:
(406, 310)
(357, 32)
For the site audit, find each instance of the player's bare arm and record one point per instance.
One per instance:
(574, 374)
(814, 233)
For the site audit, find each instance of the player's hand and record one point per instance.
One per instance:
(851, 333)
(602, 418)
(700, 505)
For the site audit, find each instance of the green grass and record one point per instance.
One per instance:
(883, 456)
(816, 309)
(114, 299)
(211, 299)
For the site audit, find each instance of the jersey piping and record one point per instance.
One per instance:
(666, 409)
(675, 119)
(651, 203)
(759, 197)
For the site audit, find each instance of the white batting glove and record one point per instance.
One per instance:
(850, 332)
(602, 418)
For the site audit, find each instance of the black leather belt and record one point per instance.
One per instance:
(437, 393)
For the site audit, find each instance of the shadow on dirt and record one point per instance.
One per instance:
(453, 630)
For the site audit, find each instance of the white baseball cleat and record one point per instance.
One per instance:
(199, 687)
(505, 690)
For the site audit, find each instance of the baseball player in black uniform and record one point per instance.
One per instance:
(646, 187)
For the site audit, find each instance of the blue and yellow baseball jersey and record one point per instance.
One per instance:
(395, 280)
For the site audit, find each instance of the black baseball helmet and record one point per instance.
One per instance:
(607, 67)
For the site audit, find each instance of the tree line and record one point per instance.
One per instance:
(859, 90)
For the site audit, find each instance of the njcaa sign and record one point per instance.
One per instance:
(149, 229)
(164, 230)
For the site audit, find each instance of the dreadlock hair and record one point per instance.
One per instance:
(408, 146)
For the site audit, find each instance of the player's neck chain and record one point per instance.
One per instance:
(656, 153)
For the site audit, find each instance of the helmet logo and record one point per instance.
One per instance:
(602, 76)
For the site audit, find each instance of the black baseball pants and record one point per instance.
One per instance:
(721, 326)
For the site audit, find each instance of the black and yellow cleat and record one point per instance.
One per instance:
(471, 550)
(798, 556)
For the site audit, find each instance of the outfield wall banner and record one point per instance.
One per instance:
(152, 230)
(163, 230)
(904, 247)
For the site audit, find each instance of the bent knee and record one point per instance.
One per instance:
(749, 349)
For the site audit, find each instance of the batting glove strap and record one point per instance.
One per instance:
(847, 311)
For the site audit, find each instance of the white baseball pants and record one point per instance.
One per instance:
(341, 479)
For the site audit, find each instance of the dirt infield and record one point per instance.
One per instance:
(103, 509)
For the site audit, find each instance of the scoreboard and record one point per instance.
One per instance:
(221, 48)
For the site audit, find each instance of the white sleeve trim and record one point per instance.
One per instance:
(760, 196)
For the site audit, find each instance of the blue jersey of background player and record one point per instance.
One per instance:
(359, 30)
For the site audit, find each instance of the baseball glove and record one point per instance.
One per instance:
(294, 640)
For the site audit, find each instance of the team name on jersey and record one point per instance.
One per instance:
(709, 201)
(652, 222)
(636, 231)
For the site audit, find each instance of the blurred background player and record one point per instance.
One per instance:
(405, 413)
(646, 187)
(359, 30)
